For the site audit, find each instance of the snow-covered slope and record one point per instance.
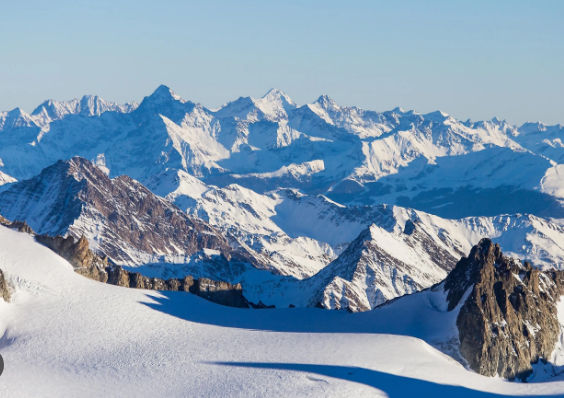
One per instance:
(287, 212)
(246, 216)
(65, 335)
(542, 139)
(380, 265)
(6, 179)
(432, 162)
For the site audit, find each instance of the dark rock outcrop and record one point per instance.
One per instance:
(223, 293)
(78, 254)
(87, 263)
(4, 288)
(509, 319)
(18, 225)
(261, 306)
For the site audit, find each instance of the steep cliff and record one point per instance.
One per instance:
(508, 320)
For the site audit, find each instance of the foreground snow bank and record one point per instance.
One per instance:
(65, 335)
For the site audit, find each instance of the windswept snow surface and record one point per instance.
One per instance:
(64, 335)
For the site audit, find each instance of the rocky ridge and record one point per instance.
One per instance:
(120, 217)
(382, 264)
(508, 319)
(88, 264)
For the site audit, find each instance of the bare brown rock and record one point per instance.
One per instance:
(223, 293)
(79, 255)
(20, 226)
(4, 288)
(118, 276)
(509, 319)
(134, 219)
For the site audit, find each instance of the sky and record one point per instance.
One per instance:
(471, 59)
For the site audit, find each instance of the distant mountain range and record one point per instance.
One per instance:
(430, 162)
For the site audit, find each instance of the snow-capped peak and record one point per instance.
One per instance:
(164, 102)
(16, 118)
(88, 105)
(274, 105)
(530, 127)
(164, 93)
(437, 116)
(276, 95)
(327, 103)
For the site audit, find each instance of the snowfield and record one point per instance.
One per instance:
(66, 336)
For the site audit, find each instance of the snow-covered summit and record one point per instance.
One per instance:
(88, 105)
(273, 106)
(16, 118)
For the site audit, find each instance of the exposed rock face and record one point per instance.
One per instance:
(221, 292)
(78, 254)
(218, 292)
(90, 265)
(130, 224)
(4, 289)
(509, 319)
(21, 226)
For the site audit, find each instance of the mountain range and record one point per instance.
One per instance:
(429, 162)
(313, 205)
(420, 224)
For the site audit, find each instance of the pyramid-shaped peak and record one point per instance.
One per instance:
(275, 94)
(18, 112)
(437, 116)
(18, 118)
(78, 163)
(165, 93)
(326, 102)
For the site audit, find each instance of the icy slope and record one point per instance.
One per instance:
(64, 335)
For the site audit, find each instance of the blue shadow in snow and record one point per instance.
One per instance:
(393, 385)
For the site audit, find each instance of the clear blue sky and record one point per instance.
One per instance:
(472, 59)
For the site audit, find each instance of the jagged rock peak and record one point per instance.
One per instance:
(508, 320)
(466, 272)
